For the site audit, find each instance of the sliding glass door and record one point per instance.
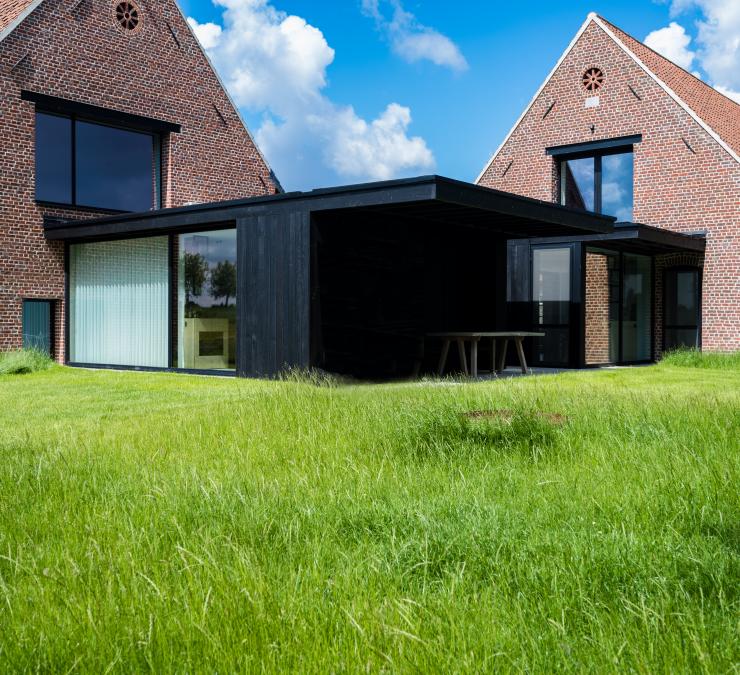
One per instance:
(119, 302)
(618, 307)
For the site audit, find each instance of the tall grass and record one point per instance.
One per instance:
(23, 362)
(584, 521)
(693, 358)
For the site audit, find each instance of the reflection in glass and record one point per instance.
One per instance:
(207, 287)
(551, 301)
(602, 307)
(53, 158)
(682, 308)
(114, 168)
(616, 186)
(578, 183)
(636, 308)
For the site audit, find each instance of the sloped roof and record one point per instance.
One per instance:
(10, 10)
(718, 112)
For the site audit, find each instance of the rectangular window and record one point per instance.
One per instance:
(207, 287)
(600, 182)
(82, 163)
(53, 159)
(119, 302)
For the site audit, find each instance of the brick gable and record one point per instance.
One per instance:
(683, 179)
(77, 51)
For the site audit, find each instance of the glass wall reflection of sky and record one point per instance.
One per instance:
(616, 186)
(579, 183)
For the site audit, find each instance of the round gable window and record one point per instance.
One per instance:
(592, 79)
(128, 16)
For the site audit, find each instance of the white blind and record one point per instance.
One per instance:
(119, 302)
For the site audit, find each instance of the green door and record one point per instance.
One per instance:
(37, 325)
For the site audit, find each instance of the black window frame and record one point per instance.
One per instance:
(699, 297)
(596, 150)
(74, 118)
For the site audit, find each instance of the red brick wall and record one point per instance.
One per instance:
(673, 187)
(76, 51)
(597, 308)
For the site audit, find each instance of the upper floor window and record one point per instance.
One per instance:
(94, 165)
(599, 182)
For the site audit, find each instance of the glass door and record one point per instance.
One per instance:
(682, 308)
(637, 304)
(551, 302)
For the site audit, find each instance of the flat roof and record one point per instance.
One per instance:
(432, 198)
(423, 199)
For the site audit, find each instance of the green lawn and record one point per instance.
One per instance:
(170, 523)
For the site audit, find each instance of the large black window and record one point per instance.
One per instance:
(83, 163)
(54, 159)
(599, 182)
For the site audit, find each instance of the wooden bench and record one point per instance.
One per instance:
(474, 338)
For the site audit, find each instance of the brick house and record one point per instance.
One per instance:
(140, 227)
(670, 144)
(86, 70)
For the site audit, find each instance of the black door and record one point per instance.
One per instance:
(682, 308)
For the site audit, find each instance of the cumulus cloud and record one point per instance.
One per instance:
(717, 43)
(411, 40)
(274, 64)
(672, 42)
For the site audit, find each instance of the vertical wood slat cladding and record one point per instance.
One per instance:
(273, 304)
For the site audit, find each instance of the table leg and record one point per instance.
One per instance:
(443, 357)
(474, 358)
(493, 357)
(502, 359)
(463, 358)
(520, 351)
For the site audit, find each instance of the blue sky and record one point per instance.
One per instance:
(350, 90)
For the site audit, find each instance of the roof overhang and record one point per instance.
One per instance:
(433, 199)
(637, 238)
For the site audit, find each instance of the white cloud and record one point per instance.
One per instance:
(411, 40)
(275, 64)
(672, 42)
(208, 33)
(717, 50)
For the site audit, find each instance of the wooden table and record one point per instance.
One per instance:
(474, 339)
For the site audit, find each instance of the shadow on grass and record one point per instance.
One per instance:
(451, 432)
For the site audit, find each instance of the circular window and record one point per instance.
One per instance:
(592, 79)
(128, 16)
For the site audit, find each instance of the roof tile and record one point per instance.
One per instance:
(717, 111)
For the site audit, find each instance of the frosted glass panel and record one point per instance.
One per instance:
(118, 302)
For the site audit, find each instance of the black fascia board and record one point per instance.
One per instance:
(191, 217)
(622, 142)
(384, 193)
(53, 104)
(488, 199)
(636, 234)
